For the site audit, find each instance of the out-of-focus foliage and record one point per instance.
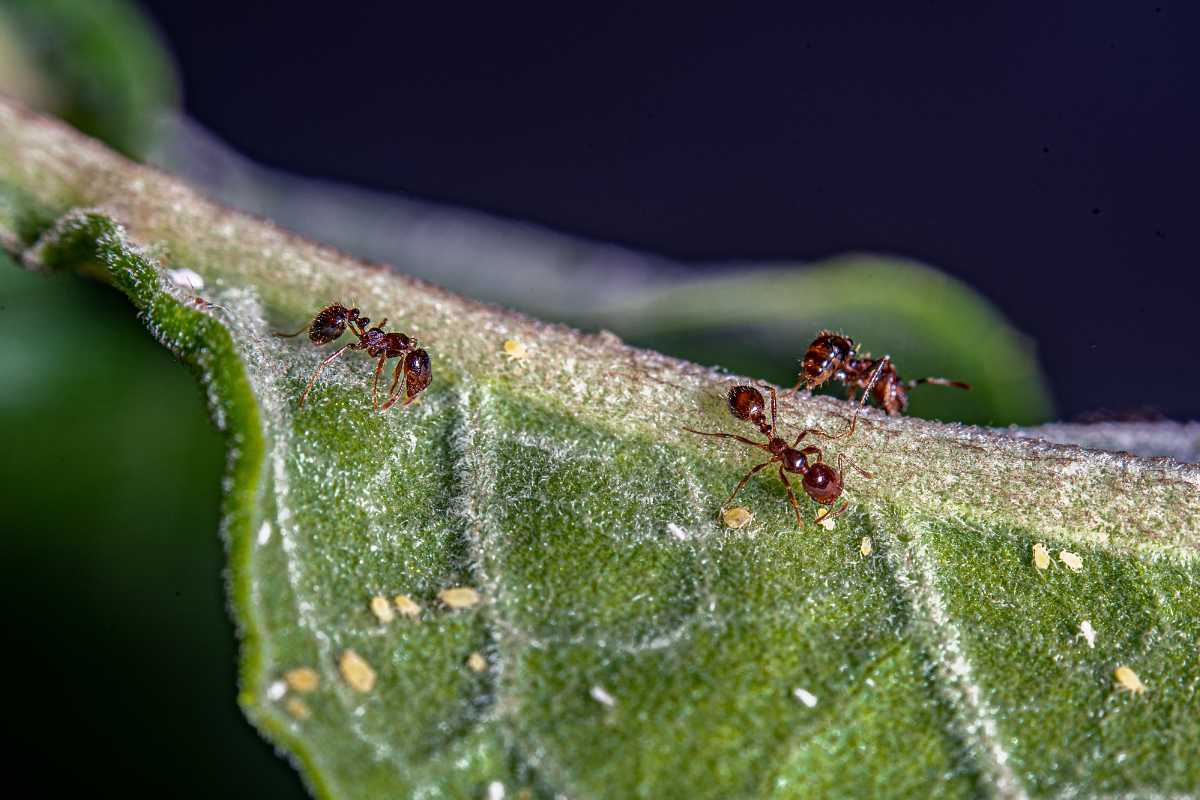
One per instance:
(96, 63)
(630, 645)
(111, 485)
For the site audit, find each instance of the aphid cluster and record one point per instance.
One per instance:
(832, 356)
(333, 320)
(820, 481)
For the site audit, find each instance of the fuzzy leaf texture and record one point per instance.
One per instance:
(624, 642)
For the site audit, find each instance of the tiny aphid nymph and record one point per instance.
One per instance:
(1128, 680)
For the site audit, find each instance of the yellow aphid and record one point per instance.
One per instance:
(459, 597)
(515, 350)
(1041, 556)
(1073, 562)
(406, 606)
(1128, 680)
(476, 662)
(382, 609)
(736, 517)
(865, 547)
(302, 679)
(297, 708)
(825, 521)
(356, 671)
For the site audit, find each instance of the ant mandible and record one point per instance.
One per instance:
(821, 482)
(333, 320)
(832, 355)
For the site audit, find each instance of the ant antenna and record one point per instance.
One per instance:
(939, 382)
(867, 393)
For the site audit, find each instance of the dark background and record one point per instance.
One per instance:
(1043, 152)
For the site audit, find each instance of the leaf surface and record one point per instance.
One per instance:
(630, 645)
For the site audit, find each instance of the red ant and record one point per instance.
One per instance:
(332, 321)
(832, 355)
(821, 482)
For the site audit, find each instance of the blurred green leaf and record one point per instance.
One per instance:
(98, 64)
(631, 646)
(111, 493)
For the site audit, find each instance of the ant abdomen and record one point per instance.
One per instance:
(823, 483)
(746, 402)
(824, 357)
(330, 323)
(417, 374)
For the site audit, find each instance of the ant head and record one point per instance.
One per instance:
(826, 355)
(745, 402)
(417, 374)
(822, 483)
(330, 323)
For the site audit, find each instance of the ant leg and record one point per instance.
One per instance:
(857, 468)
(745, 479)
(854, 419)
(794, 389)
(939, 382)
(375, 383)
(283, 335)
(393, 391)
(791, 496)
(743, 439)
(813, 450)
(774, 411)
(321, 367)
(831, 514)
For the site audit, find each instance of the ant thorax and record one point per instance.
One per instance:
(794, 461)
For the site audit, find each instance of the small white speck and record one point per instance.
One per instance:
(495, 791)
(602, 697)
(186, 278)
(1087, 632)
(264, 533)
(679, 533)
(276, 691)
(804, 696)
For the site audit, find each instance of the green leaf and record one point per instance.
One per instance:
(632, 646)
